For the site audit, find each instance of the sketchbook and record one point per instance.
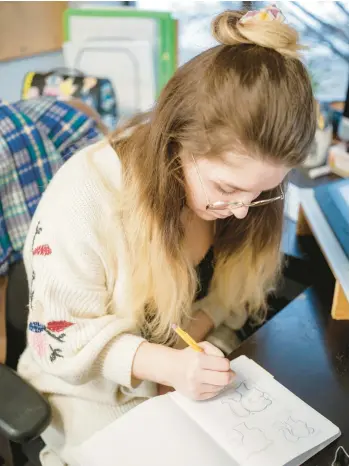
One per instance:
(256, 421)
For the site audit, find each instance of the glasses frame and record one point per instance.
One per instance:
(223, 205)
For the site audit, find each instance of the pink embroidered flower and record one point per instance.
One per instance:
(42, 250)
(38, 343)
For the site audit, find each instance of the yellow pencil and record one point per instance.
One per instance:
(187, 338)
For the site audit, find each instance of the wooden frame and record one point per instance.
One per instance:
(303, 228)
(311, 221)
(29, 28)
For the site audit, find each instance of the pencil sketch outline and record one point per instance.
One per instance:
(294, 430)
(247, 399)
(240, 440)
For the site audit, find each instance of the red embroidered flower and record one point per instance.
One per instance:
(42, 250)
(58, 326)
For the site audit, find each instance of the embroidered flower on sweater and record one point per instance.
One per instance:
(42, 250)
(38, 230)
(55, 328)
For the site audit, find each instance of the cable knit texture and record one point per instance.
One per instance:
(80, 345)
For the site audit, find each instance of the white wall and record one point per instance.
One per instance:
(12, 72)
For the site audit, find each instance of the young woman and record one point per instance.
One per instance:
(119, 239)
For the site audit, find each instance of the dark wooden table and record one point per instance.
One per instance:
(302, 346)
(308, 352)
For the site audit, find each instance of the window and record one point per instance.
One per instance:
(323, 26)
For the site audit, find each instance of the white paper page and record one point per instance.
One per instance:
(259, 422)
(156, 433)
(309, 454)
(246, 367)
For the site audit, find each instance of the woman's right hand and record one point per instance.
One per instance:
(200, 376)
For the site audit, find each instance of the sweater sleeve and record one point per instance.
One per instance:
(74, 331)
(212, 306)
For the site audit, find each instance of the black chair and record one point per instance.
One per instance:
(24, 413)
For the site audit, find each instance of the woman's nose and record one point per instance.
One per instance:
(240, 212)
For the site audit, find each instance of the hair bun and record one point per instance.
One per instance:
(228, 30)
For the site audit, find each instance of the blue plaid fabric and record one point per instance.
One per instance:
(36, 137)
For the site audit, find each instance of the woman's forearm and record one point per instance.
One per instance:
(157, 363)
(153, 362)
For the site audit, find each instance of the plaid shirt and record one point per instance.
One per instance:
(36, 137)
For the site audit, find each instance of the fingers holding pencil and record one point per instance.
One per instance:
(187, 338)
(202, 373)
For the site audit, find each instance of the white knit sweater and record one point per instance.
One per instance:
(79, 351)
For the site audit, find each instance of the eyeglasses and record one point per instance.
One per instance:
(223, 205)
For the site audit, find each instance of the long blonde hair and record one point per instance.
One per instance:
(250, 93)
